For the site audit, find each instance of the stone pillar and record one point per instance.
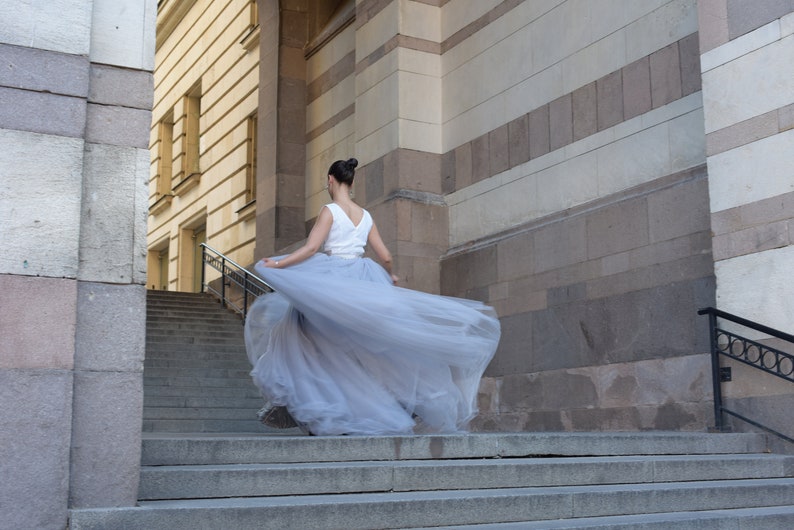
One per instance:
(76, 93)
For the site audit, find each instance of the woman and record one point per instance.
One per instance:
(348, 352)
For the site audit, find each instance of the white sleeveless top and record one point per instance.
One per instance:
(345, 239)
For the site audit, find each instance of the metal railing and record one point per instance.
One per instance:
(749, 352)
(238, 287)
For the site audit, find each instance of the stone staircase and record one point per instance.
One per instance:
(202, 470)
(196, 373)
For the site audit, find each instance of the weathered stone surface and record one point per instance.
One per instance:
(636, 88)
(34, 435)
(498, 147)
(609, 91)
(518, 140)
(744, 17)
(105, 438)
(40, 230)
(57, 25)
(560, 122)
(112, 178)
(44, 71)
(120, 126)
(585, 119)
(678, 211)
(37, 322)
(111, 327)
(40, 112)
(123, 33)
(121, 86)
(665, 75)
(539, 140)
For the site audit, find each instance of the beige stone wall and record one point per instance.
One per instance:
(213, 46)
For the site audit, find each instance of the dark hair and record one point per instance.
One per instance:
(344, 171)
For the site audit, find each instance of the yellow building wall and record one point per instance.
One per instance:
(207, 49)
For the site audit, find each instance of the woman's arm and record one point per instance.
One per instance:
(313, 243)
(376, 242)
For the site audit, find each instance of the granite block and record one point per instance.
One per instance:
(374, 180)
(121, 87)
(34, 435)
(609, 93)
(57, 25)
(678, 211)
(112, 176)
(41, 112)
(518, 140)
(37, 322)
(560, 244)
(584, 106)
(744, 17)
(636, 88)
(665, 76)
(560, 122)
(689, 51)
(498, 148)
(111, 327)
(419, 170)
(539, 136)
(786, 117)
(752, 240)
(43, 71)
(742, 133)
(448, 181)
(515, 256)
(712, 23)
(464, 166)
(106, 440)
(617, 228)
(480, 158)
(120, 126)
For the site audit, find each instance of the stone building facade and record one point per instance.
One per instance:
(75, 108)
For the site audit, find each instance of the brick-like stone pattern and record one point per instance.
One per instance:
(610, 284)
(743, 17)
(753, 227)
(751, 130)
(648, 83)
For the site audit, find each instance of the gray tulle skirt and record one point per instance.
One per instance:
(347, 352)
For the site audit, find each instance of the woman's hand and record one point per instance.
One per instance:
(394, 279)
(270, 263)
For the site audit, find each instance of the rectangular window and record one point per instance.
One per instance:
(250, 167)
(192, 114)
(165, 154)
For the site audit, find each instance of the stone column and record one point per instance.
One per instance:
(75, 93)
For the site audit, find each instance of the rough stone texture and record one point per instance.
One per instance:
(111, 327)
(742, 133)
(665, 75)
(609, 91)
(39, 332)
(122, 87)
(112, 182)
(57, 25)
(617, 228)
(34, 436)
(678, 211)
(40, 112)
(712, 23)
(498, 147)
(743, 17)
(560, 122)
(480, 158)
(689, 51)
(539, 132)
(104, 438)
(518, 140)
(40, 230)
(637, 88)
(43, 71)
(463, 166)
(121, 126)
(123, 33)
(585, 120)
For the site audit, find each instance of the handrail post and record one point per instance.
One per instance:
(715, 372)
(223, 281)
(203, 265)
(245, 296)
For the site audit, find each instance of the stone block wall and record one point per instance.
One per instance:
(75, 94)
(748, 97)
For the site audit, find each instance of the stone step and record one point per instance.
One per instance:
(766, 518)
(216, 337)
(203, 401)
(255, 480)
(179, 351)
(436, 508)
(207, 325)
(236, 363)
(156, 391)
(213, 450)
(219, 426)
(200, 413)
(150, 381)
(205, 372)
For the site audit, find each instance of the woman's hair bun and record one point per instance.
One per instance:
(352, 163)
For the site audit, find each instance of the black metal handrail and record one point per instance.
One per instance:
(747, 351)
(249, 285)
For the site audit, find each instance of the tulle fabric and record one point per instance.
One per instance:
(347, 352)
